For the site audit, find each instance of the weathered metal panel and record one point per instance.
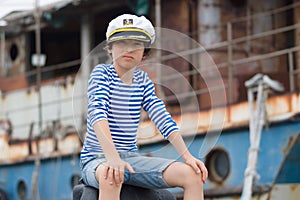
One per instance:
(289, 170)
(234, 116)
(209, 22)
(297, 40)
(14, 65)
(236, 142)
(262, 23)
(54, 182)
(56, 105)
(19, 150)
(285, 191)
(177, 20)
(15, 55)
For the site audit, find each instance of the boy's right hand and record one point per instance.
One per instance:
(114, 171)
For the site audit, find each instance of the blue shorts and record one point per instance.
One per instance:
(148, 170)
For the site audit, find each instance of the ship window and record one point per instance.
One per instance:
(218, 165)
(13, 52)
(22, 189)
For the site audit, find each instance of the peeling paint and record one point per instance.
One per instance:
(286, 149)
(233, 116)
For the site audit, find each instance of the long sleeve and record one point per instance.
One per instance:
(157, 110)
(98, 95)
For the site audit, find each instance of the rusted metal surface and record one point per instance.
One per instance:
(192, 123)
(297, 36)
(209, 21)
(285, 191)
(12, 73)
(57, 98)
(235, 192)
(234, 116)
(19, 150)
(286, 149)
(178, 20)
(20, 106)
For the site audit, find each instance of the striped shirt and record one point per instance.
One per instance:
(120, 104)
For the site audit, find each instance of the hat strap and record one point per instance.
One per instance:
(129, 29)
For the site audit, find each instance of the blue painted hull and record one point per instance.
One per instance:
(279, 143)
(278, 162)
(55, 178)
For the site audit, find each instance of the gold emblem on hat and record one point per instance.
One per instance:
(127, 22)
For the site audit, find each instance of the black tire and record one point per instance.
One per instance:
(83, 192)
(3, 195)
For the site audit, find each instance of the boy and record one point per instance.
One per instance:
(116, 94)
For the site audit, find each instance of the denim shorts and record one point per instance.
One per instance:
(148, 170)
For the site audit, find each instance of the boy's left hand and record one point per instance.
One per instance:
(198, 166)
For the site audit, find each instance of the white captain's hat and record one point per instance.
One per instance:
(130, 27)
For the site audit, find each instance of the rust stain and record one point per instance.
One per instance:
(287, 148)
(17, 151)
(233, 116)
(3, 96)
(294, 187)
(13, 83)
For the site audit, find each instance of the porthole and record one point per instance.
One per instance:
(75, 180)
(218, 165)
(22, 189)
(13, 52)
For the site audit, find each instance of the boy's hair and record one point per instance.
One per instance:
(146, 50)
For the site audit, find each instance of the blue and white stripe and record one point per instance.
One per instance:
(120, 104)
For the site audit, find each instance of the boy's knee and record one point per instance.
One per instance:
(104, 182)
(192, 178)
(106, 186)
(100, 172)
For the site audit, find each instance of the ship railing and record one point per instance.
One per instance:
(233, 44)
(56, 126)
(69, 80)
(290, 53)
(48, 68)
(231, 64)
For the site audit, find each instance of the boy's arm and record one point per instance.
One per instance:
(115, 165)
(177, 141)
(98, 95)
(103, 134)
(167, 126)
(157, 111)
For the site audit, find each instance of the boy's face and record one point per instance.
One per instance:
(127, 53)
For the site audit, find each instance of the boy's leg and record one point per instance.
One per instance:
(191, 183)
(106, 189)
